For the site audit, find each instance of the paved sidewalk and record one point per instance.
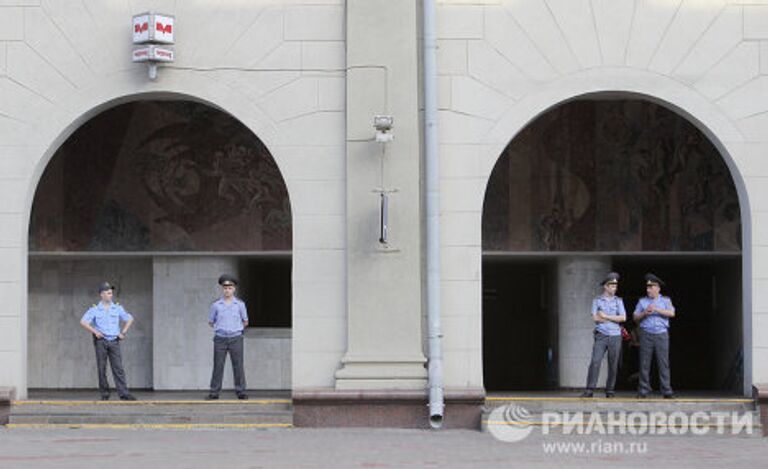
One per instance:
(355, 448)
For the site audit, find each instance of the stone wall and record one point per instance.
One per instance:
(61, 352)
(279, 70)
(167, 295)
(504, 63)
(183, 347)
(282, 72)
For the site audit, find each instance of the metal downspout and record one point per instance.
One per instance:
(435, 370)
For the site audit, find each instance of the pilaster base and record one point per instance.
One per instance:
(374, 374)
(384, 408)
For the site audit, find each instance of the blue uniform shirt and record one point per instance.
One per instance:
(655, 323)
(228, 319)
(106, 319)
(610, 306)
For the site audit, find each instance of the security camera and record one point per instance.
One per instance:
(383, 125)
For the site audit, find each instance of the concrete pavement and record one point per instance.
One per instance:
(361, 448)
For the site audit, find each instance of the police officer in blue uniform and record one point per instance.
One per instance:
(607, 313)
(228, 317)
(652, 313)
(102, 320)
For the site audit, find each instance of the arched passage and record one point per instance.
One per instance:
(601, 182)
(159, 197)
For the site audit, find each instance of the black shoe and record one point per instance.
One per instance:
(105, 397)
(669, 396)
(642, 396)
(609, 395)
(587, 394)
(128, 397)
(211, 397)
(242, 396)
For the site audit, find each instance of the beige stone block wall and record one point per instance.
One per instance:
(702, 59)
(272, 65)
(282, 73)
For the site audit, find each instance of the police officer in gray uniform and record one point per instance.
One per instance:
(103, 321)
(607, 312)
(228, 317)
(653, 313)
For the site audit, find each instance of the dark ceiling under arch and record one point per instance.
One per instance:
(161, 176)
(617, 175)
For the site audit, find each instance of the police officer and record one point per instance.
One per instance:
(607, 313)
(653, 313)
(102, 320)
(228, 317)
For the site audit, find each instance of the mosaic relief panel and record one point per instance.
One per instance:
(161, 176)
(611, 175)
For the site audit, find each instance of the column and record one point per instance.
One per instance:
(578, 282)
(384, 300)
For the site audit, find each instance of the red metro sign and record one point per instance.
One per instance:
(161, 28)
(139, 28)
(153, 28)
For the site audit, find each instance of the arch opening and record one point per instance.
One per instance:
(159, 197)
(610, 182)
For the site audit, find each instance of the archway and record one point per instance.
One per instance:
(609, 182)
(159, 197)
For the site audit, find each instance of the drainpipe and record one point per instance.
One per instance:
(436, 400)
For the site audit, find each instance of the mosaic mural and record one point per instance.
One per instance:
(161, 176)
(611, 175)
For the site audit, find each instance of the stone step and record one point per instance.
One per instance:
(601, 417)
(278, 412)
(628, 404)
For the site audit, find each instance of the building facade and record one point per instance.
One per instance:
(575, 137)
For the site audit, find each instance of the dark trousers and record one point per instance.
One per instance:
(233, 346)
(602, 343)
(654, 344)
(110, 349)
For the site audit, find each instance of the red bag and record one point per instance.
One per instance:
(625, 334)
